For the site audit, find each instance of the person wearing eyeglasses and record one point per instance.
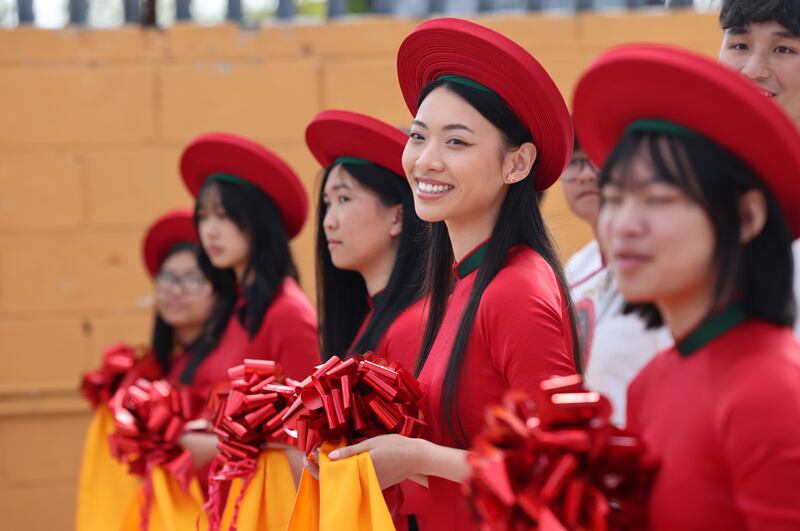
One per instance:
(183, 299)
(615, 345)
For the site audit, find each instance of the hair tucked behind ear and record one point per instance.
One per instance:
(520, 223)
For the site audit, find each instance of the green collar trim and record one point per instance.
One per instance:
(350, 160)
(227, 178)
(376, 299)
(464, 81)
(655, 125)
(711, 328)
(472, 261)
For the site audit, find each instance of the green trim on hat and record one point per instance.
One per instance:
(351, 160)
(464, 81)
(227, 178)
(655, 125)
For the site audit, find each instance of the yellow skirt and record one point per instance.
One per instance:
(105, 488)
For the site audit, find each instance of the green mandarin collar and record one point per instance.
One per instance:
(710, 329)
(472, 261)
(376, 299)
(350, 160)
(227, 178)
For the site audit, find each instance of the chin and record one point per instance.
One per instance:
(429, 214)
(221, 263)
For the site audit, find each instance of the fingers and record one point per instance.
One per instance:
(348, 451)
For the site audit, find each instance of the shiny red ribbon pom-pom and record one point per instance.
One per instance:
(554, 462)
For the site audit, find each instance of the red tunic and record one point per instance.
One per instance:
(288, 335)
(723, 418)
(521, 335)
(400, 342)
(402, 339)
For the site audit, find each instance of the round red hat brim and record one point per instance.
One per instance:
(448, 46)
(636, 82)
(173, 228)
(225, 153)
(335, 133)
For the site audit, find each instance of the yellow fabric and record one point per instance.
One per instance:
(105, 488)
(268, 498)
(172, 509)
(347, 496)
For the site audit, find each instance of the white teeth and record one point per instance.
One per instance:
(433, 188)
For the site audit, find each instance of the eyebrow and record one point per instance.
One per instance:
(786, 34)
(336, 187)
(449, 127)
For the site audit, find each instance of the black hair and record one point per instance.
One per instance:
(268, 265)
(342, 298)
(736, 15)
(760, 272)
(520, 222)
(163, 339)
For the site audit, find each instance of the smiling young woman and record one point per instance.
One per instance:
(482, 142)
(699, 208)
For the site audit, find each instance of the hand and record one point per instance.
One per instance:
(312, 464)
(394, 457)
(202, 446)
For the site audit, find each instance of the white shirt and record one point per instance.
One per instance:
(615, 346)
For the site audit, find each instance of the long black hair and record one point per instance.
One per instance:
(520, 222)
(342, 298)
(269, 263)
(163, 339)
(759, 272)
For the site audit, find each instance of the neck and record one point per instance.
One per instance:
(467, 235)
(187, 334)
(376, 274)
(242, 279)
(684, 312)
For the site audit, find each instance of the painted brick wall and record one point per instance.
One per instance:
(91, 126)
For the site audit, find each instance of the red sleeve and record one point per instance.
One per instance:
(288, 335)
(524, 321)
(759, 432)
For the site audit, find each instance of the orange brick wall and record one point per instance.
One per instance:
(90, 131)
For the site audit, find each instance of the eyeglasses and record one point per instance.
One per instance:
(190, 283)
(576, 167)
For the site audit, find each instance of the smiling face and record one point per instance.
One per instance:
(362, 232)
(223, 241)
(769, 55)
(454, 161)
(659, 242)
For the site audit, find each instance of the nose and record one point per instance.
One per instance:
(207, 229)
(626, 220)
(587, 174)
(329, 221)
(755, 68)
(427, 158)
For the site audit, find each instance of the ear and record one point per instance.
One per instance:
(753, 215)
(518, 163)
(396, 223)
